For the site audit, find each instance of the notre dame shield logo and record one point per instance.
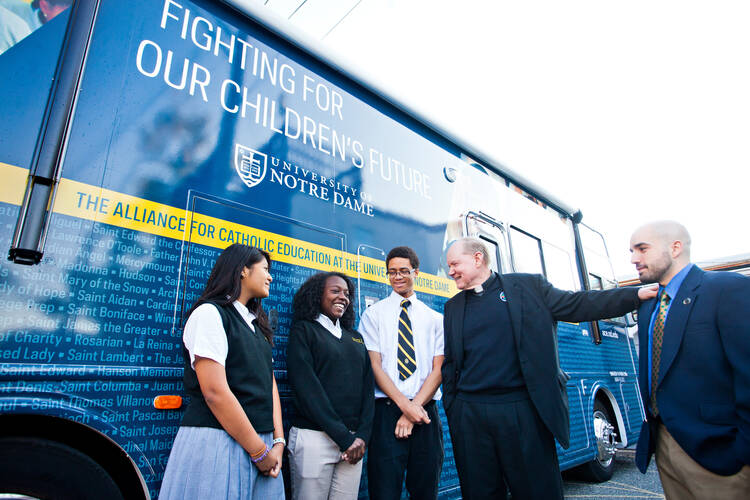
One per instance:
(250, 165)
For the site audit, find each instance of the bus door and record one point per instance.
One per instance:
(600, 276)
(493, 233)
(370, 259)
(576, 357)
(298, 250)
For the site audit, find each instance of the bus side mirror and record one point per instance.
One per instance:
(631, 319)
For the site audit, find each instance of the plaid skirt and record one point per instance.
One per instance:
(208, 463)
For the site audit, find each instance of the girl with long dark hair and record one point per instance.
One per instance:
(332, 384)
(231, 438)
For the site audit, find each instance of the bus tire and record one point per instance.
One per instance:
(602, 466)
(46, 469)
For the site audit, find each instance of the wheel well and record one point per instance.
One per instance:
(608, 400)
(84, 439)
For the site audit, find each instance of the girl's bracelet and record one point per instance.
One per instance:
(259, 452)
(259, 458)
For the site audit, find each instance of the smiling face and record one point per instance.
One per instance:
(335, 298)
(256, 280)
(468, 270)
(401, 276)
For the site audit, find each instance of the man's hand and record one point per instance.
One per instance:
(404, 427)
(415, 413)
(647, 292)
(355, 452)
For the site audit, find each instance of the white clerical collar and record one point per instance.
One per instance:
(479, 289)
(334, 328)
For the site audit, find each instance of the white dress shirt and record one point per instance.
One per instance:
(379, 328)
(334, 328)
(204, 333)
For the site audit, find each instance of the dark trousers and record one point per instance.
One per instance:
(501, 443)
(420, 455)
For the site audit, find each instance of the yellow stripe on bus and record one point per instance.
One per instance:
(77, 199)
(14, 183)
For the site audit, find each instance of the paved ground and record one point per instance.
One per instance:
(626, 483)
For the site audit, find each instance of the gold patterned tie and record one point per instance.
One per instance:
(658, 337)
(406, 357)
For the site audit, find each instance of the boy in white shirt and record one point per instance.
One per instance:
(404, 339)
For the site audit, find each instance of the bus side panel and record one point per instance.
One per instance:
(342, 164)
(196, 128)
(160, 175)
(590, 366)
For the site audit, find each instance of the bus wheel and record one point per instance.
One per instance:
(601, 468)
(43, 469)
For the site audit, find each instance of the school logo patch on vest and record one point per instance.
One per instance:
(249, 164)
(502, 296)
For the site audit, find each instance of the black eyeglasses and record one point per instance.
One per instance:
(392, 273)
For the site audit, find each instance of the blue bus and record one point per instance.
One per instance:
(138, 139)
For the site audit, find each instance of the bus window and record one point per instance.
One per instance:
(492, 233)
(20, 18)
(557, 263)
(31, 60)
(595, 282)
(493, 250)
(600, 283)
(526, 252)
(597, 257)
(600, 273)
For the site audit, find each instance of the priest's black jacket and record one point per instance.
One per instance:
(535, 306)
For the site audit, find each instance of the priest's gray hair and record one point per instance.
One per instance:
(471, 245)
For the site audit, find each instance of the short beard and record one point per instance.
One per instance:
(657, 270)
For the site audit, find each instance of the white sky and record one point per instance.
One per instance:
(631, 111)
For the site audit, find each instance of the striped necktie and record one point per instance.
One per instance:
(406, 357)
(658, 338)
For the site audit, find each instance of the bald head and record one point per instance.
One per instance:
(660, 250)
(666, 231)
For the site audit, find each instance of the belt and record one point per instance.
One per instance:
(511, 396)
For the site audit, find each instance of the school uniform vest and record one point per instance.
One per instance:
(249, 369)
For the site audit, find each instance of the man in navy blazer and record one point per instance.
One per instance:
(694, 369)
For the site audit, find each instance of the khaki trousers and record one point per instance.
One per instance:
(316, 468)
(684, 479)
